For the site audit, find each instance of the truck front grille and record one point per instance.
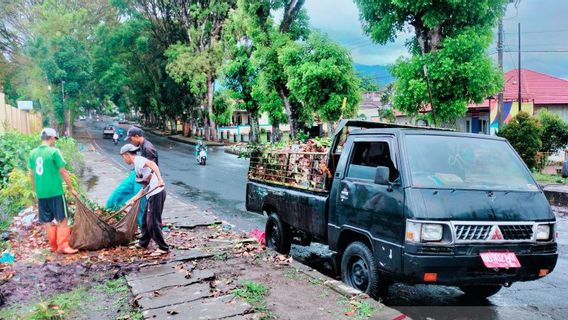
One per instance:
(472, 232)
(517, 232)
(487, 232)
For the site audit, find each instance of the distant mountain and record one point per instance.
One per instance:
(378, 72)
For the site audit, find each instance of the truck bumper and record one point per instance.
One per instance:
(469, 270)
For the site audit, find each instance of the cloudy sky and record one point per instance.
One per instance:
(544, 27)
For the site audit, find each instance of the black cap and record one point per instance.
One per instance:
(134, 131)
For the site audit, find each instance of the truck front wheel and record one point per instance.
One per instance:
(359, 270)
(480, 292)
(278, 235)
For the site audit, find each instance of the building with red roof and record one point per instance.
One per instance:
(538, 91)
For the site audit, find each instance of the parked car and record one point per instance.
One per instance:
(122, 121)
(82, 118)
(407, 204)
(108, 131)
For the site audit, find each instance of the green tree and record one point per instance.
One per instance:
(320, 75)
(554, 134)
(239, 72)
(524, 132)
(368, 83)
(450, 40)
(268, 38)
(222, 108)
(197, 61)
(387, 115)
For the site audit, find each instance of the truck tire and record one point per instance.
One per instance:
(480, 292)
(359, 270)
(278, 235)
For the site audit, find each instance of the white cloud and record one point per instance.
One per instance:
(544, 27)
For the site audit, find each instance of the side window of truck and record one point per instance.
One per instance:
(367, 156)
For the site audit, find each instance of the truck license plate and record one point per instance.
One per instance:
(500, 260)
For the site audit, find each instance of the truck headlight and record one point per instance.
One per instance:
(542, 232)
(432, 232)
(423, 232)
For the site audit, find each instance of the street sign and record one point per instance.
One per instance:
(25, 105)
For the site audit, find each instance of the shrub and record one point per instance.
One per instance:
(524, 132)
(16, 190)
(554, 135)
(14, 150)
(16, 195)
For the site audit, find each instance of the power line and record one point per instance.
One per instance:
(542, 51)
(539, 31)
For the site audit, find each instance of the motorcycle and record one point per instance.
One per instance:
(201, 155)
(115, 139)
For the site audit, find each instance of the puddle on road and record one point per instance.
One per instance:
(91, 182)
(230, 210)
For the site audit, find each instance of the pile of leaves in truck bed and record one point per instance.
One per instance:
(302, 165)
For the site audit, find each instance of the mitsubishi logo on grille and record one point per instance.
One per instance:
(496, 234)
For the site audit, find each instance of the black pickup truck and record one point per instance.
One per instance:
(410, 204)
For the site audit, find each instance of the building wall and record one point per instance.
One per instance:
(561, 110)
(474, 123)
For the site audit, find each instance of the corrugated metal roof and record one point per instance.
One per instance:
(535, 86)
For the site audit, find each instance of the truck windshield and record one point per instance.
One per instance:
(465, 163)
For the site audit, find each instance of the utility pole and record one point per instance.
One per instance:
(500, 60)
(519, 37)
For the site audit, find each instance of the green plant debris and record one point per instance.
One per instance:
(357, 308)
(59, 306)
(255, 295)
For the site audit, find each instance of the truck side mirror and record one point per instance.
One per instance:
(382, 175)
(565, 169)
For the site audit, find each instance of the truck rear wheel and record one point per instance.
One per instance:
(359, 270)
(480, 292)
(278, 235)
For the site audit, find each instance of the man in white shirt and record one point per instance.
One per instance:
(148, 174)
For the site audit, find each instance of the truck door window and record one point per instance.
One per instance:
(367, 156)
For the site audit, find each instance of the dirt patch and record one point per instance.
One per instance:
(291, 294)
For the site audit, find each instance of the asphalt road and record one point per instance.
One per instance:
(220, 186)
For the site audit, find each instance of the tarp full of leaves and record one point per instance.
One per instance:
(301, 166)
(91, 232)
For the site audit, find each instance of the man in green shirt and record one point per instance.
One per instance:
(47, 173)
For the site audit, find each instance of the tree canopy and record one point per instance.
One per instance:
(450, 41)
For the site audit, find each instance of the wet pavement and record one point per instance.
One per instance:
(220, 187)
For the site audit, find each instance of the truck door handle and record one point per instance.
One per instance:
(344, 195)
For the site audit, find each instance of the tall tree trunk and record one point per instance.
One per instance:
(254, 128)
(68, 127)
(212, 132)
(276, 135)
(330, 128)
(291, 112)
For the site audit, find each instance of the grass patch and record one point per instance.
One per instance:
(120, 293)
(357, 308)
(548, 178)
(59, 306)
(315, 281)
(255, 295)
(113, 286)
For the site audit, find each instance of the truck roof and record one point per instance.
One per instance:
(421, 131)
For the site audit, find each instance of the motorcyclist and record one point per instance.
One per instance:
(115, 137)
(199, 146)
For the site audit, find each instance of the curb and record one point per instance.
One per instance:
(383, 313)
(207, 143)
